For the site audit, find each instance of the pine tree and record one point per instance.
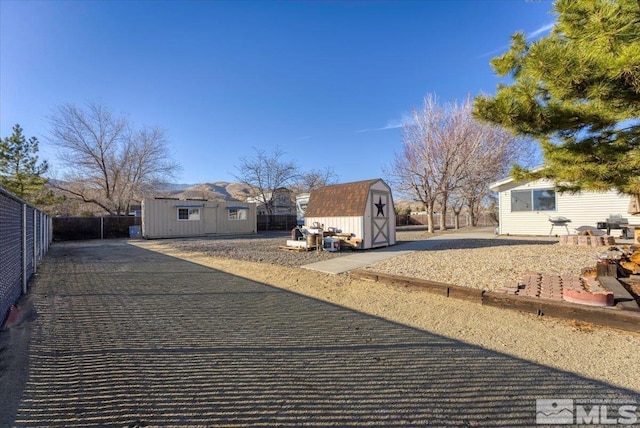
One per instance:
(20, 172)
(577, 91)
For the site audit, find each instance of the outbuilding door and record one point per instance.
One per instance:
(210, 220)
(380, 227)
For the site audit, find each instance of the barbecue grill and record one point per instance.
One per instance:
(616, 222)
(559, 221)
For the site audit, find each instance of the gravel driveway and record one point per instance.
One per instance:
(130, 337)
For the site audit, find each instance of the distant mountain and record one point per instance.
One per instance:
(173, 187)
(220, 190)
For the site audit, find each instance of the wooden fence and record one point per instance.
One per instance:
(276, 222)
(79, 228)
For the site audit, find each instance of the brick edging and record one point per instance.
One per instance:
(609, 317)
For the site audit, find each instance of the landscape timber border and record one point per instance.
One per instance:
(608, 317)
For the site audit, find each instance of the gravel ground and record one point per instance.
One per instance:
(485, 264)
(262, 248)
(489, 264)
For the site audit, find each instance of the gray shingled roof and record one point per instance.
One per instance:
(340, 200)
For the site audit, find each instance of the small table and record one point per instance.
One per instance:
(626, 228)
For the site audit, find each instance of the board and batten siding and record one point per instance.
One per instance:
(160, 219)
(583, 209)
(345, 224)
(225, 226)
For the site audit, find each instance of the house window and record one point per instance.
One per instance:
(533, 200)
(544, 200)
(188, 214)
(238, 213)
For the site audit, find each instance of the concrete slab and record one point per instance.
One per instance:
(358, 260)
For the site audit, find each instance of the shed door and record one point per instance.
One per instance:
(380, 228)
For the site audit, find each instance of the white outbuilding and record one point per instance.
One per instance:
(173, 218)
(536, 208)
(363, 208)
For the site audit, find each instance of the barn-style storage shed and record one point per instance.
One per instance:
(363, 208)
(173, 218)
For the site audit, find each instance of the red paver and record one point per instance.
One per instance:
(571, 288)
(602, 298)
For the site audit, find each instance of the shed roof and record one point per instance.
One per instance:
(340, 200)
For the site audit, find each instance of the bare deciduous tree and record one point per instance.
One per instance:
(315, 179)
(108, 162)
(412, 172)
(265, 173)
(447, 155)
(425, 167)
(493, 150)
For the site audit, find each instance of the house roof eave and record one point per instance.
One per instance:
(497, 186)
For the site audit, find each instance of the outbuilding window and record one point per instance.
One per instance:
(188, 214)
(238, 213)
(533, 200)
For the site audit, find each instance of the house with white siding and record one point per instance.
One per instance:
(362, 208)
(525, 208)
(173, 218)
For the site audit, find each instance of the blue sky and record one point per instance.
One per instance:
(328, 82)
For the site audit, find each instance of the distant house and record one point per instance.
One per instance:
(282, 202)
(172, 218)
(363, 208)
(526, 208)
